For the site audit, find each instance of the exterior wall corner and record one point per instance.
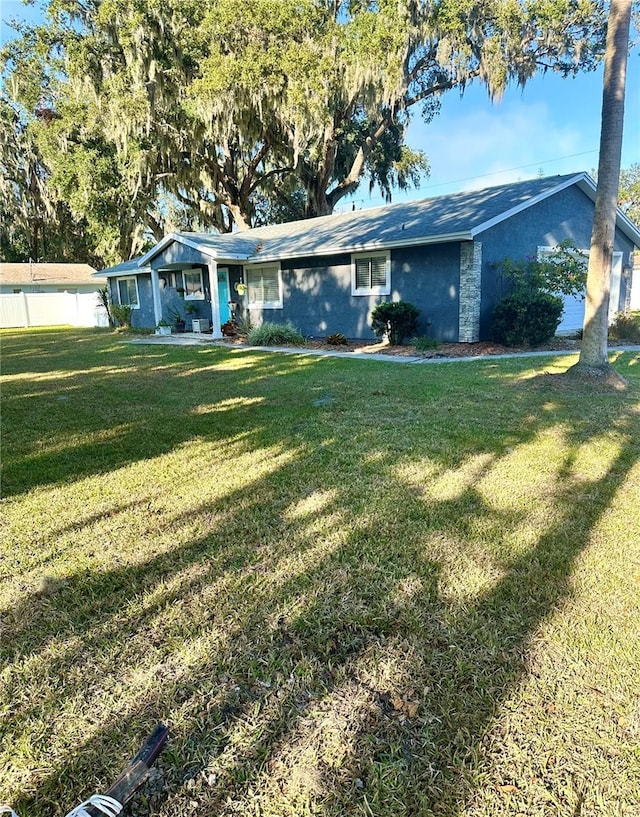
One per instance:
(470, 291)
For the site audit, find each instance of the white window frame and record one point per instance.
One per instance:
(197, 296)
(264, 304)
(133, 278)
(372, 290)
(169, 278)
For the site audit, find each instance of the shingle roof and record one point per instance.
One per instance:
(36, 273)
(457, 216)
(129, 267)
(432, 219)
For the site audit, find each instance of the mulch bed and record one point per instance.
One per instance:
(444, 350)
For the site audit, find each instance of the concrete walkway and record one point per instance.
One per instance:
(195, 339)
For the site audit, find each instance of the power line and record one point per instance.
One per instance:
(520, 167)
(428, 186)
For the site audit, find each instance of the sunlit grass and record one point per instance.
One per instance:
(348, 587)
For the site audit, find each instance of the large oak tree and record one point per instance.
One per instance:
(214, 113)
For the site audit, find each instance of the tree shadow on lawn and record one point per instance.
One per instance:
(332, 665)
(304, 714)
(123, 418)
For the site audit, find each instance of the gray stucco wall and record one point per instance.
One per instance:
(429, 277)
(317, 297)
(142, 317)
(175, 254)
(567, 215)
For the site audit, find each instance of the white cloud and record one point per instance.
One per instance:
(481, 145)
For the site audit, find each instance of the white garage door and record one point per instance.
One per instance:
(573, 313)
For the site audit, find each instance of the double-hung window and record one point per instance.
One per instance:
(193, 288)
(264, 287)
(371, 274)
(128, 292)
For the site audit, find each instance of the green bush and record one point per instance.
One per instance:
(424, 343)
(337, 339)
(395, 319)
(275, 334)
(626, 326)
(563, 270)
(122, 315)
(526, 318)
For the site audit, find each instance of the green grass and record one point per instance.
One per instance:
(348, 587)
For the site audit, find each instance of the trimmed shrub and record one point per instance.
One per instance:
(425, 343)
(626, 326)
(396, 320)
(526, 318)
(122, 314)
(275, 334)
(337, 339)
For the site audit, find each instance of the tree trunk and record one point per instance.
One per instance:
(241, 217)
(594, 355)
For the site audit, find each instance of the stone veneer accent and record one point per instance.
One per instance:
(470, 286)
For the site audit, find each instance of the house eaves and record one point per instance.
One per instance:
(344, 249)
(443, 219)
(131, 267)
(623, 222)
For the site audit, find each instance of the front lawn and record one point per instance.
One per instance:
(348, 587)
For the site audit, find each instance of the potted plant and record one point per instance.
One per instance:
(178, 321)
(229, 329)
(163, 327)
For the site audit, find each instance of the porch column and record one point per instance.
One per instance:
(155, 291)
(470, 291)
(212, 266)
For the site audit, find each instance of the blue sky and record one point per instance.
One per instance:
(552, 125)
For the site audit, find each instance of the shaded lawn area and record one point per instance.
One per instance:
(348, 587)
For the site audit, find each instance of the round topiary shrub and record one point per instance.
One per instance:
(396, 320)
(526, 318)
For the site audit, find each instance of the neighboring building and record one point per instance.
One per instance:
(39, 294)
(37, 277)
(326, 274)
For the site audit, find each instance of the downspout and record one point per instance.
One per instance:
(155, 290)
(212, 266)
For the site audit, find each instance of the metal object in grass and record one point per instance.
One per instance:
(134, 775)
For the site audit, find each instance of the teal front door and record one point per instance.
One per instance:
(223, 295)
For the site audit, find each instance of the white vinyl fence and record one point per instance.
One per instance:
(52, 309)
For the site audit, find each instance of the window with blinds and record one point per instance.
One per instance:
(264, 287)
(371, 274)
